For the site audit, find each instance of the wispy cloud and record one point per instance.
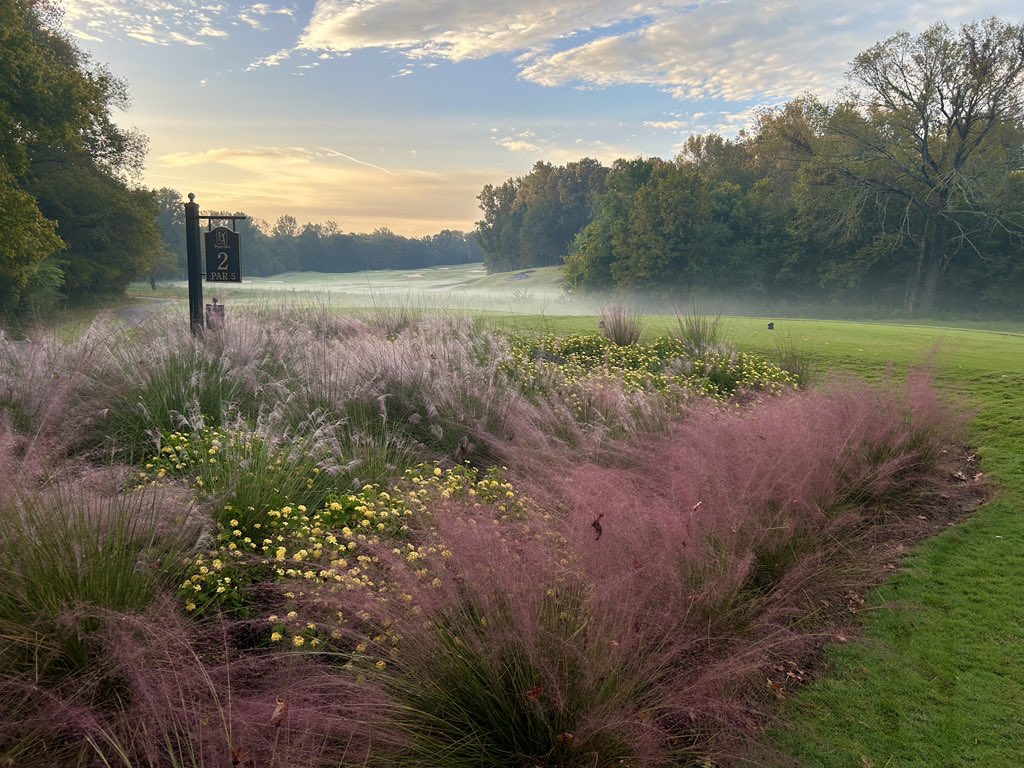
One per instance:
(255, 15)
(561, 148)
(162, 22)
(706, 49)
(336, 153)
(272, 60)
(156, 22)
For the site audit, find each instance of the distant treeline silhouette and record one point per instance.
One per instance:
(288, 247)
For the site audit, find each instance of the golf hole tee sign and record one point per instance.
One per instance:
(223, 262)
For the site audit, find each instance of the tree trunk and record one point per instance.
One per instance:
(923, 282)
(916, 278)
(935, 263)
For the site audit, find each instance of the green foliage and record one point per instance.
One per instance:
(110, 229)
(161, 391)
(251, 472)
(531, 221)
(61, 156)
(331, 544)
(551, 361)
(27, 241)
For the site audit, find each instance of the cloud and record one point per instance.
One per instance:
(559, 149)
(156, 22)
(255, 14)
(667, 125)
(736, 50)
(517, 145)
(456, 29)
(272, 60)
(162, 22)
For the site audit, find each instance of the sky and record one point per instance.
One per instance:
(396, 113)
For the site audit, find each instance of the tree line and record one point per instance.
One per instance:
(907, 190)
(286, 246)
(75, 223)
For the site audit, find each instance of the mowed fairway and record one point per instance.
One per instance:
(934, 676)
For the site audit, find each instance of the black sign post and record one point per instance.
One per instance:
(195, 266)
(223, 263)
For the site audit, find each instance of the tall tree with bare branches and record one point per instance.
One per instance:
(929, 140)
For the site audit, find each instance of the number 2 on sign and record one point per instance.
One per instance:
(223, 261)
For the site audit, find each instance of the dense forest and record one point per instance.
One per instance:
(907, 191)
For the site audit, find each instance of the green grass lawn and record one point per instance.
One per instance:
(935, 674)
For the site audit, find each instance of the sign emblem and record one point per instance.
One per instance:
(223, 260)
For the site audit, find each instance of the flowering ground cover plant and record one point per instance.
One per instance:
(549, 361)
(423, 543)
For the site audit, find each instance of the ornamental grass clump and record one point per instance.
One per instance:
(729, 547)
(49, 387)
(77, 555)
(620, 325)
(183, 696)
(701, 334)
(247, 471)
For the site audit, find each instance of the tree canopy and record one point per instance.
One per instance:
(71, 220)
(532, 220)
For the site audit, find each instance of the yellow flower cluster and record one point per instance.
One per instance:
(576, 364)
(339, 547)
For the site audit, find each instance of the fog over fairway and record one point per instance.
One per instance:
(533, 291)
(536, 290)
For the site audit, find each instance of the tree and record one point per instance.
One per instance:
(531, 221)
(498, 231)
(927, 144)
(588, 266)
(110, 229)
(58, 140)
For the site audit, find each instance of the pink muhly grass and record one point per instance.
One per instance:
(714, 550)
(178, 694)
(49, 387)
(502, 660)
